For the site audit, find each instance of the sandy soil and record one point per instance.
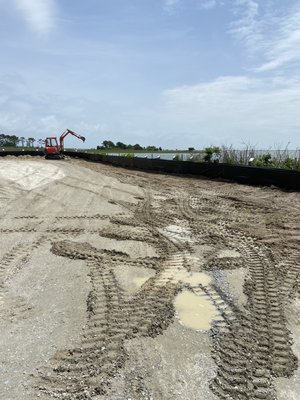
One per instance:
(119, 285)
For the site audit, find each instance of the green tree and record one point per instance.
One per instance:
(8, 140)
(151, 148)
(121, 145)
(108, 144)
(31, 141)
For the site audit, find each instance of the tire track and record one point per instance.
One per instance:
(251, 347)
(257, 346)
(113, 318)
(11, 262)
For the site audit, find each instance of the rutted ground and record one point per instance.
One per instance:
(117, 284)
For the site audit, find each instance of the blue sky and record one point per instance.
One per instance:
(172, 73)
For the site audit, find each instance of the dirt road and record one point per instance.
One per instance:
(117, 284)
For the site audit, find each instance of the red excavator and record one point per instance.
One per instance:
(53, 150)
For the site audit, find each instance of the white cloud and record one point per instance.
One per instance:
(247, 28)
(170, 5)
(39, 14)
(285, 47)
(272, 34)
(29, 113)
(207, 4)
(231, 109)
(227, 110)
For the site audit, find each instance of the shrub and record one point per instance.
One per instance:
(264, 160)
(211, 153)
(290, 163)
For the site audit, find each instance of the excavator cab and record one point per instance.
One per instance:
(52, 149)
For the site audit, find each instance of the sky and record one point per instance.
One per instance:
(170, 73)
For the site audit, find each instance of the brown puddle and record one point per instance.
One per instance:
(195, 312)
(132, 278)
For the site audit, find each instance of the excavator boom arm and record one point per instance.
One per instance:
(67, 132)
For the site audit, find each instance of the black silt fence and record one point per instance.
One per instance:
(263, 176)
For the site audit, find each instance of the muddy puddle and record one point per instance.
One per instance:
(194, 311)
(132, 278)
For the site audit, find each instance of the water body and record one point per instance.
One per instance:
(239, 154)
(162, 156)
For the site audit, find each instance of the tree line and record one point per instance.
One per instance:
(109, 145)
(15, 141)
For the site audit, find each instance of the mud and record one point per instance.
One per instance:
(119, 284)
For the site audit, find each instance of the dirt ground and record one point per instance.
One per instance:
(118, 284)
